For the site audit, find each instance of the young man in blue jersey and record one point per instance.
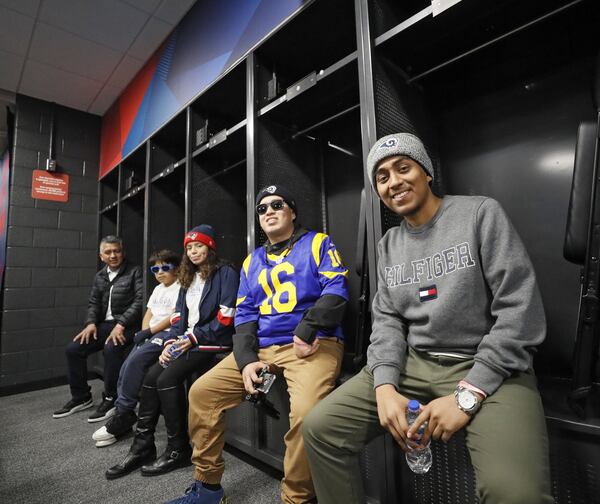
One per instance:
(291, 301)
(456, 320)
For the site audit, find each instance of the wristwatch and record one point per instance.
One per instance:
(467, 400)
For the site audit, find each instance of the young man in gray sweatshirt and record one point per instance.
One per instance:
(456, 319)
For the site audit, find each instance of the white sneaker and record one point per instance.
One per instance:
(103, 437)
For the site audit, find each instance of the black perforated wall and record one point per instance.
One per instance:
(219, 199)
(294, 163)
(402, 108)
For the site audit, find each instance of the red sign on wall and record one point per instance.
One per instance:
(50, 186)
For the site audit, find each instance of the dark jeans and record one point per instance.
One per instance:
(133, 372)
(165, 390)
(114, 355)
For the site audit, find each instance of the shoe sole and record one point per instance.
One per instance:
(80, 407)
(101, 443)
(106, 442)
(105, 436)
(109, 413)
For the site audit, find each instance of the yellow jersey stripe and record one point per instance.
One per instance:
(277, 257)
(333, 274)
(246, 264)
(240, 300)
(316, 247)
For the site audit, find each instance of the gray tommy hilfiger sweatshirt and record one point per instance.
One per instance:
(461, 283)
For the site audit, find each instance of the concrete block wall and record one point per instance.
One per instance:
(52, 247)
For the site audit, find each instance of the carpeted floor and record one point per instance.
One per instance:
(43, 460)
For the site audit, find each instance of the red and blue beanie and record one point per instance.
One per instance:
(203, 234)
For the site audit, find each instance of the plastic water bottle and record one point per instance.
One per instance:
(174, 351)
(418, 459)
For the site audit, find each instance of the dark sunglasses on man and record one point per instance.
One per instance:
(163, 267)
(275, 205)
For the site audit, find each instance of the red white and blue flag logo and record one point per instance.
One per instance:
(428, 293)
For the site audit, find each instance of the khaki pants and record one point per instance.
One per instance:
(507, 438)
(222, 388)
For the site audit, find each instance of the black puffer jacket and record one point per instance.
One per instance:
(127, 296)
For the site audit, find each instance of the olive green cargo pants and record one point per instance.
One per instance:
(507, 438)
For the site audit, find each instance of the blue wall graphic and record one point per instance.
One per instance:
(205, 44)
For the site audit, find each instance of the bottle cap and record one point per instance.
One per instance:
(414, 405)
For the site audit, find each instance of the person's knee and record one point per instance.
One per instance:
(315, 423)
(73, 349)
(166, 381)
(198, 395)
(111, 350)
(137, 358)
(152, 377)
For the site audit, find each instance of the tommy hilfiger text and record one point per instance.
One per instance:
(435, 266)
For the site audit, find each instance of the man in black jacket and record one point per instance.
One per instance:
(114, 314)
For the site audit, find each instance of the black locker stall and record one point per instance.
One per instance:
(308, 138)
(132, 197)
(108, 201)
(132, 226)
(133, 172)
(497, 90)
(164, 156)
(218, 192)
(308, 135)
(168, 146)
(218, 169)
(299, 85)
(167, 210)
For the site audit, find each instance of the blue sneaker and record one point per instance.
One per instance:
(197, 494)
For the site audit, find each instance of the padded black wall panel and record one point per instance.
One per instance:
(578, 216)
(525, 161)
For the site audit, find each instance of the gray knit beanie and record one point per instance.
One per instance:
(398, 144)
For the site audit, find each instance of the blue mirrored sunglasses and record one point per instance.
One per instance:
(164, 267)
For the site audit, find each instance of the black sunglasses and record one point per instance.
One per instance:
(164, 267)
(275, 205)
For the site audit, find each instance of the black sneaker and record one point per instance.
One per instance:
(73, 406)
(104, 411)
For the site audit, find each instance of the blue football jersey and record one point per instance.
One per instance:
(276, 290)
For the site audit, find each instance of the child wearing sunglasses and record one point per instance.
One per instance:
(164, 264)
(201, 327)
(161, 305)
